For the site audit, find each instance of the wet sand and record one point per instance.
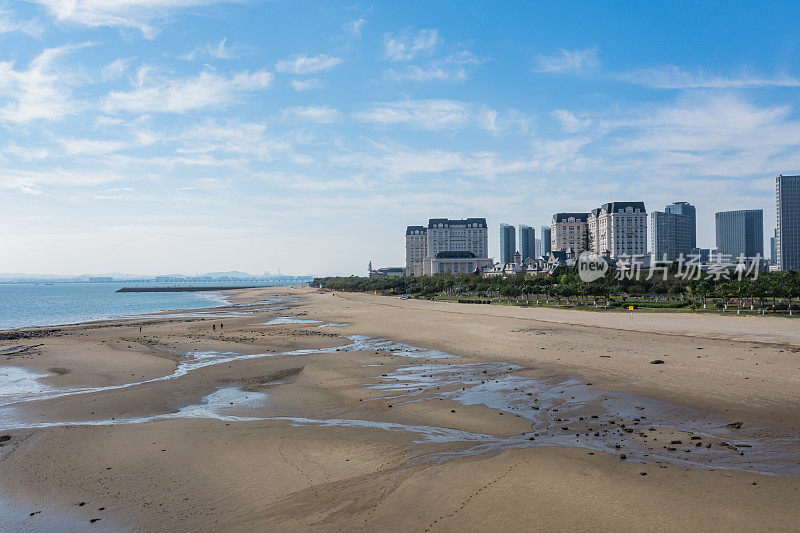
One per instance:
(352, 411)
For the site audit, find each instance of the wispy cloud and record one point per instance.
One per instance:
(303, 64)
(163, 94)
(306, 84)
(442, 115)
(220, 50)
(673, 77)
(323, 114)
(452, 68)
(143, 15)
(116, 69)
(10, 24)
(354, 27)
(407, 45)
(43, 91)
(575, 61)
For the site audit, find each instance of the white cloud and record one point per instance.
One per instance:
(179, 95)
(354, 27)
(571, 122)
(115, 69)
(43, 91)
(568, 61)
(322, 114)
(452, 68)
(407, 45)
(306, 84)
(142, 15)
(220, 50)
(673, 77)
(443, 115)
(303, 64)
(421, 114)
(9, 24)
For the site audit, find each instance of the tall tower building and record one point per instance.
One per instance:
(527, 242)
(544, 236)
(508, 243)
(740, 233)
(619, 228)
(688, 210)
(787, 235)
(672, 232)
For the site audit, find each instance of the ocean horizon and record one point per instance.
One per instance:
(54, 304)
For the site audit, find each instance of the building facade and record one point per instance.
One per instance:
(544, 237)
(740, 233)
(508, 243)
(568, 231)
(671, 234)
(527, 242)
(688, 210)
(787, 235)
(618, 229)
(454, 246)
(416, 249)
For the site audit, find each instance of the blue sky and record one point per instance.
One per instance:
(151, 136)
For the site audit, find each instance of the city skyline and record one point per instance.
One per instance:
(159, 136)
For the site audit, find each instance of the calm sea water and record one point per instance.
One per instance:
(23, 305)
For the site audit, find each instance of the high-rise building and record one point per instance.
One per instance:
(619, 229)
(568, 230)
(544, 236)
(451, 246)
(787, 235)
(740, 233)
(416, 249)
(672, 232)
(686, 209)
(538, 250)
(773, 248)
(527, 242)
(508, 243)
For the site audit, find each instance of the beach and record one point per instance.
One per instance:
(293, 408)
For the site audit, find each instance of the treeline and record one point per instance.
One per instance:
(768, 290)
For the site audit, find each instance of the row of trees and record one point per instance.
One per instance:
(768, 290)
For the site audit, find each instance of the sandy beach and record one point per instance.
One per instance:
(364, 412)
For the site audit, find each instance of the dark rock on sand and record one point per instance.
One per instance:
(657, 362)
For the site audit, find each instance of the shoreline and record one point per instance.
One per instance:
(301, 367)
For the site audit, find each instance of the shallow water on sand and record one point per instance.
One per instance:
(561, 412)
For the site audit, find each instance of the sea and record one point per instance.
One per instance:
(52, 304)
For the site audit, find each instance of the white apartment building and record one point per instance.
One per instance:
(446, 245)
(618, 229)
(416, 249)
(568, 230)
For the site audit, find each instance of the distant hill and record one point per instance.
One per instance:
(229, 274)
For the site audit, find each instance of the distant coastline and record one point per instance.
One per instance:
(199, 288)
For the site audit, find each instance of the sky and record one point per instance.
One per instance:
(160, 136)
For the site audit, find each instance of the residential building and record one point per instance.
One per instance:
(456, 246)
(787, 236)
(688, 210)
(568, 230)
(527, 242)
(508, 243)
(740, 233)
(544, 236)
(618, 229)
(671, 232)
(416, 249)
